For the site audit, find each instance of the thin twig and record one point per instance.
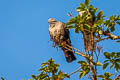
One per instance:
(75, 71)
(106, 38)
(70, 47)
(110, 35)
(72, 50)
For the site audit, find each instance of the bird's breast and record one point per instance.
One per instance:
(55, 30)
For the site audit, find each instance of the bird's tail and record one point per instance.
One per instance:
(69, 55)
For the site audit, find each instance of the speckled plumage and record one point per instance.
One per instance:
(59, 34)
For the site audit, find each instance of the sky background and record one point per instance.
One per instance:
(24, 37)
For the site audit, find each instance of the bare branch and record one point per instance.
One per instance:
(80, 53)
(106, 38)
(110, 35)
(75, 71)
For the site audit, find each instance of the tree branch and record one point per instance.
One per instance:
(75, 71)
(68, 47)
(110, 35)
(106, 38)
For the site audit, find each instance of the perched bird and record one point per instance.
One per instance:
(60, 35)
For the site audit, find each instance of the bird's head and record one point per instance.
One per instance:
(51, 20)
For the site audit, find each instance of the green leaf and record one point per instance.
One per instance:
(106, 61)
(81, 28)
(111, 66)
(107, 55)
(62, 75)
(82, 6)
(87, 2)
(117, 60)
(118, 23)
(105, 65)
(117, 66)
(101, 76)
(108, 74)
(99, 64)
(69, 27)
(77, 20)
(44, 63)
(77, 29)
(99, 15)
(86, 26)
(118, 41)
(113, 54)
(99, 22)
(82, 62)
(91, 7)
(2, 78)
(111, 17)
(33, 76)
(100, 32)
(112, 28)
(29, 79)
(83, 73)
(71, 21)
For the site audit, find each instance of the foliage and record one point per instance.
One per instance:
(101, 28)
(106, 76)
(2, 78)
(113, 59)
(91, 20)
(49, 71)
(85, 68)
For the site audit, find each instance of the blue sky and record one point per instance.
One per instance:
(24, 37)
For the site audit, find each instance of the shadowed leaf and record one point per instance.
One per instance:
(105, 65)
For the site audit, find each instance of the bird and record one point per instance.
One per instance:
(60, 35)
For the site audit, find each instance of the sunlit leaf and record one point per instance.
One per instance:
(69, 27)
(81, 28)
(99, 22)
(87, 2)
(111, 66)
(82, 62)
(71, 21)
(100, 32)
(82, 6)
(111, 17)
(81, 74)
(99, 64)
(44, 63)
